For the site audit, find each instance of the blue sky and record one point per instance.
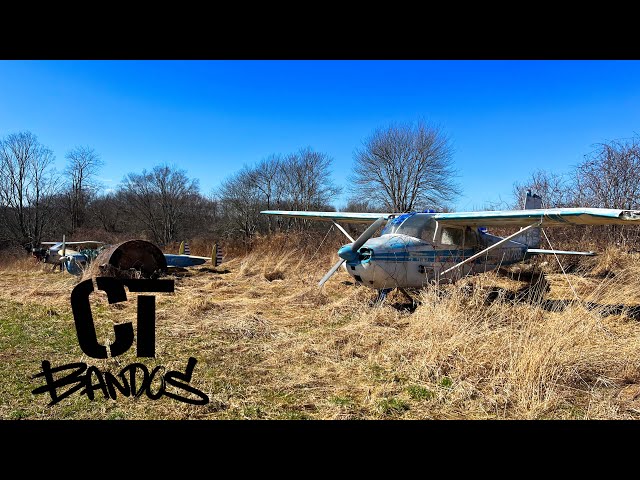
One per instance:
(504, 118)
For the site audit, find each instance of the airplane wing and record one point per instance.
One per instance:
(348, 217)
(74, 243)
(548, 217)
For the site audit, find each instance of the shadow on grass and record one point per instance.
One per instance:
(534, 293)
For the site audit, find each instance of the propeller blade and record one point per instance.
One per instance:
(64, 250)
(331, 272)
(368, 233)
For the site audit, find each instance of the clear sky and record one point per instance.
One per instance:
(504, 118)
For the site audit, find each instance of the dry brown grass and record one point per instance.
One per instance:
(270, 344)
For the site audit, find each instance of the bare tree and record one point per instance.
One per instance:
(360, 205)
(268, 178)
(404, 167)
(242, 201)
(305, 183)
(160, 200)
(81, 170)
(107, 210)
(27, 186)
(555, 190)
(307, 180)
(609, 176)
(298, 181)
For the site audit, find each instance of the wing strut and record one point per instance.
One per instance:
(505, 239)
(343, 231)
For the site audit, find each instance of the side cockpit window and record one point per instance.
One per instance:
(452, 236)
(413, 225)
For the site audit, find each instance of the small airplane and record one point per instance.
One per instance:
(70, 259)
(75, 261)
(416, 248)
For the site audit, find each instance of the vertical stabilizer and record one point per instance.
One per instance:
(532, 201)
(184, 248)
(532, 237)
(216, 255)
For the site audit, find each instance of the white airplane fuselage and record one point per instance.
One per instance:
(406, 261)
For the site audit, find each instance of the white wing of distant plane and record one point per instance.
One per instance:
(547, 217)
(73, 243)
(348, 217)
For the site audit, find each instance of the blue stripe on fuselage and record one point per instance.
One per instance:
(511, 254)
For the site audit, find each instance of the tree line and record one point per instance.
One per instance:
(411, 165)
(399, 167)
(162, 204)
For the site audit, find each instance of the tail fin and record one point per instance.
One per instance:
(532, 201)
(531, 237)
(216, 255)
(184, 248)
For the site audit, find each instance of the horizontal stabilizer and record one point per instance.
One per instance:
(540, 251)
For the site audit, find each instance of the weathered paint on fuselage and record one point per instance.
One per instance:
(397, 260)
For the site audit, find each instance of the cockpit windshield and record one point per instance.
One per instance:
(413, 224)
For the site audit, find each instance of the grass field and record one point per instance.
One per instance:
(271, 345)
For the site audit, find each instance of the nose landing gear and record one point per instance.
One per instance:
(382, 295)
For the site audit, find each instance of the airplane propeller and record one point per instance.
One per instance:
(350, 251)
(63, 257)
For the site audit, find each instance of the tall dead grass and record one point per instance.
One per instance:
(274, 345)
(514, 357)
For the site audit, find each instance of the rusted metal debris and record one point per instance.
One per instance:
(131, 259)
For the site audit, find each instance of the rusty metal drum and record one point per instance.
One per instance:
(132, 259)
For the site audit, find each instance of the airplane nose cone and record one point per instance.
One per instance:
(347, 254)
